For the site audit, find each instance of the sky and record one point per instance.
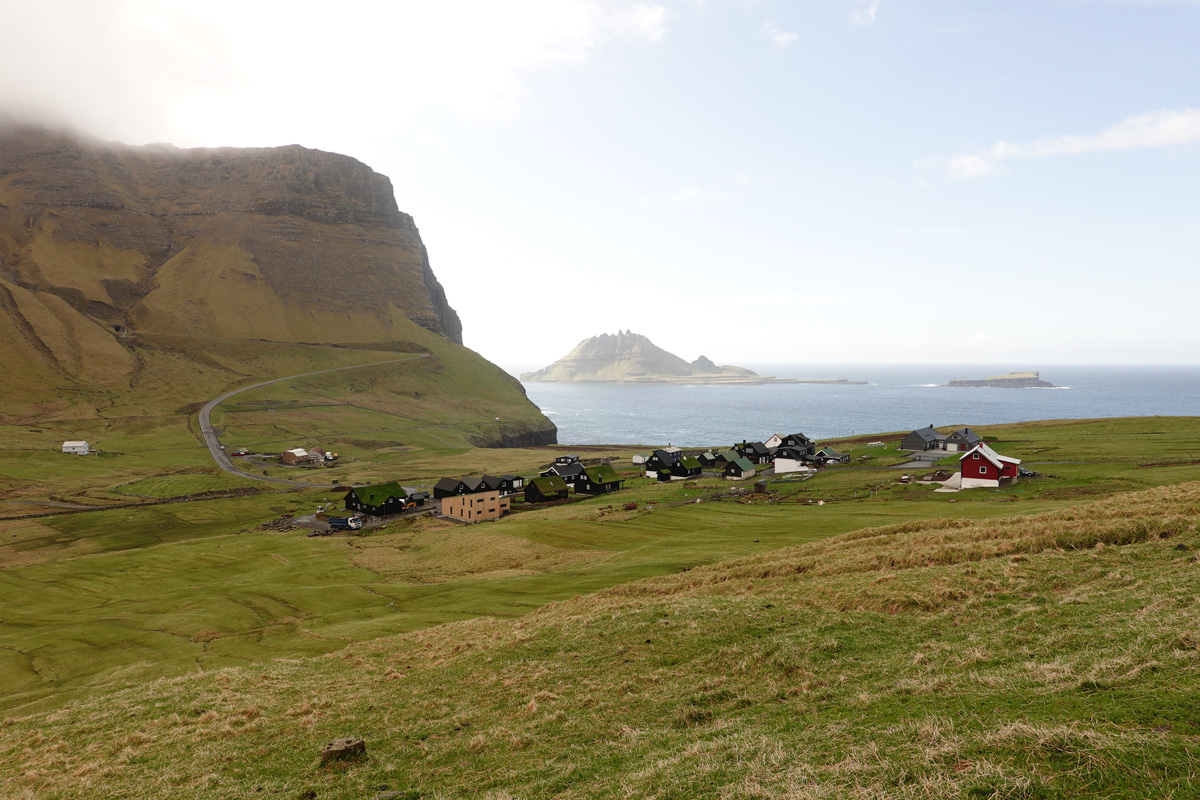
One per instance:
(815, 181)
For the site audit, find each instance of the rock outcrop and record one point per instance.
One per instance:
(1011, 380)
(626, 357)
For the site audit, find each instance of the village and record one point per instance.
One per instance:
(790, 457)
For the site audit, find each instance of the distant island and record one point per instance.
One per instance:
(1011, 380)
(626, 357)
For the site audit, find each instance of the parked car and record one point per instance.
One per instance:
(1025, 473)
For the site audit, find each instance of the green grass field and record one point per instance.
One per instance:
(1049, 655)
(135, 593)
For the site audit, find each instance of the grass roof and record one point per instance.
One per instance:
(602, 474)
(549, 484)
(378, 494)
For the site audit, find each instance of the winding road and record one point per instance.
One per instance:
(214, 444)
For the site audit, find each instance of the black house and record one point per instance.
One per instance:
(383, 499)
(449, 487)
(546, 488)
(754, 452)
(569, 471)
(799, 440)
(663, 459)
(504, 484)
(598, 480)
(455, 487)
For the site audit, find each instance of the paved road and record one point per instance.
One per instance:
(214, 444)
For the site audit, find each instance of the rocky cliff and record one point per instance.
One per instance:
(1011, 380)
(167, 273)
(626, 357)
(122, 233)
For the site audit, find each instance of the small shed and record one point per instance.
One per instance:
(76, 448)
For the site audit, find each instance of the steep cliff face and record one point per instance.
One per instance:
(166, 240)
(631, 357)
(160, 274)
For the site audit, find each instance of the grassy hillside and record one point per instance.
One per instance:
(1044, 656)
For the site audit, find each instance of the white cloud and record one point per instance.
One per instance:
(230, 72)
(864, 11)
(1152, 130)
(778, 38)
(639, 21)
(981, 341)
(694, 194)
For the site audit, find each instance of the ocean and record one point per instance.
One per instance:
(895, 398)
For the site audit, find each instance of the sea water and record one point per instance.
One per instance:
(895, 398)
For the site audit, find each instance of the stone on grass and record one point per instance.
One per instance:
(348, 749)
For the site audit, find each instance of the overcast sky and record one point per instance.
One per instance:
(1011, 182)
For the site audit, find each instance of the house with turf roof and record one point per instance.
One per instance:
(598, 480)
(739, 469)
(383, 499)
(686, 467)
(545, 489)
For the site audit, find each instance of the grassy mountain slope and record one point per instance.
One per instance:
(150, 279)
(1053, 655)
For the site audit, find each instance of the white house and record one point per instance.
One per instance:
(791, 459)
(76, 448)
(773, 442)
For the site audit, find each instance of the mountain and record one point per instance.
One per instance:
(136, 272)
(631, 357)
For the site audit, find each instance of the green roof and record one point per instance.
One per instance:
(378, 494)
(689, 462)
(743, 464)
(549, 484)
(730, 455)
(602, 474)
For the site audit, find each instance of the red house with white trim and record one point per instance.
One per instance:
(983, 466)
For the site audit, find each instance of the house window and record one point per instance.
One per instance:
(976, 456)
(983, 470)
